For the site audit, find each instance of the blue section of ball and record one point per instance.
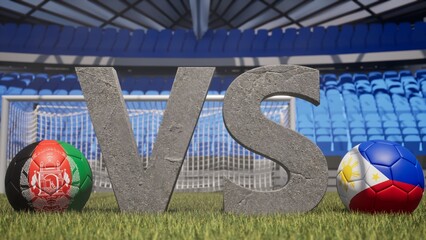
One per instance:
(382, 154)
(394, 161)
(406, 154)
(405, 171)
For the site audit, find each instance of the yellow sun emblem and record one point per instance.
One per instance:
(348, 173)
(376, 177)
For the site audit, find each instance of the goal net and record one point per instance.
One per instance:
(212, 154)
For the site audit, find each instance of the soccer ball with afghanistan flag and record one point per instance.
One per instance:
(380, 176)
(48, 176)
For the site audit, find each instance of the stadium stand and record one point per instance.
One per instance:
(95, 41)
(354, 106)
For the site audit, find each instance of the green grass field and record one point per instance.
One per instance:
(200, 216)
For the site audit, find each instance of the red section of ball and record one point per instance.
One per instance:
(48, 153)
(391, 197)
(363, 201)
(414, 198)
(49, 177)
(381, 186)
(404, 186)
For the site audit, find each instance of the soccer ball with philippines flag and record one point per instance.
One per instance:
(380, 176)
(48, 176)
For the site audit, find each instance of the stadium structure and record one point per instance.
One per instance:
(371, 56)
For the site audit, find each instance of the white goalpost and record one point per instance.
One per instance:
(212, 154)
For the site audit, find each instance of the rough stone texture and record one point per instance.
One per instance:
(303, 160)
(136, 189)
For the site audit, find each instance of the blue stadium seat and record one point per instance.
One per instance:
(127, 85)
(35, 38)
(418, 104)
(420, 116)
(376, 137)
(176, 43)
(375, 75)
(76, 92)
(390, 124)
(189, 44)
(325, 142)
(406, 116)
(413, 143)
(388, 37)
(64, 41)
(344, 38)
(421, 73)
(356, 120)
(259, 43)
(373, 37)
(339, 130)
(218, 42)
(422, 83)
(108, 39)
(410, 86)
(322, 131)
(391, 116)
(390, 74)
(358, 131)
(287, 41)
(148, 45)
(358, 139)
(368, 103)
(231, 43)
(395, 138)
(405, 73)
(406, 131)
(400, 103)
(93, 41)
(334, 98)
(316, 40)
(302, 39)
(21, 37)
(273, 42)
(50, 38)
(363, 87)
(340, 145)
(163, 43)
(403, 36)
(394, 86)
(375, 131)
(418, 36)
(79, 40)
(307, 131)
(121, 42)
(351, 102)
(27, 77)
(348, 89)
(379, 86)
(384, 103)
(360, 77)
(203, 45)
(345, 78)
(8, 33)
(135, 43)
(372, 125)
(358, 40)
(246, 42)
(329, 42)
(408, 123)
